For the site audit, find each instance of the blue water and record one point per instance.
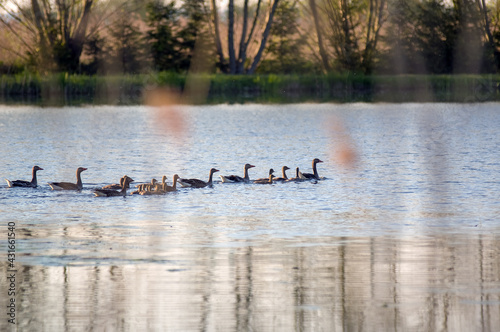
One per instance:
(410, 218)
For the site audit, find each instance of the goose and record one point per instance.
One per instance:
(156, 190)
(168, 188)
(153, 188)
(147, 186)
(196, 183)
(268, 180)
(271, 171)
(68, 185)
(298, 176)
(22, 183)
(116, 185)
(140, 187)
(111, 192)
(163, 182)
(284, 177)
(236, 178)
(153, 183)
(314, 175)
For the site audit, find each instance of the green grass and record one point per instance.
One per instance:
(66, 89)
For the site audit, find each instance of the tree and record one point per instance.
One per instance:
(58, 29)
(352, 30)
(238, 65)
(284, 48)
(491, 12)
(471, 33)
(265, 36)
(216, 35)
(195, 16)
(319, 34)
(126, 43)
(162, 21)
(94, 51)
(423, 36)
(491, 42)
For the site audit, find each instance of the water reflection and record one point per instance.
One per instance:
(423, 283)
(405, 240)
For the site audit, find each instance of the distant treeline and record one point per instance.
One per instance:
(382, 37)
(64, 89)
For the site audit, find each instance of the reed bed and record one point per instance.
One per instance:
(129, 89)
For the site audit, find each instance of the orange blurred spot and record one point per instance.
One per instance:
(346, 156)
(345, 152)
(168, 117)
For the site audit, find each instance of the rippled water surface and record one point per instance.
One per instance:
(404, 238)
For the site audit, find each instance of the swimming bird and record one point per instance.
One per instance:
(111, 192)
(268, 180)
(284, 177)
(156, 190)
(314, 175)
(68, 185)
(236, 178)
(153, 188)
(168, 188)
(21, 183)
(140, 188)
(271, 171)
(196, 183)
(298, 176)
(116, 185)
(152, 185)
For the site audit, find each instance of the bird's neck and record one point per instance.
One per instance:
(33, 177)
(78, 179)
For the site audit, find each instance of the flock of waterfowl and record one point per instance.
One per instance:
(155, 188)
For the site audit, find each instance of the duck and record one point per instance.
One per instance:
(116, 185)
(314, 175)
(68, 185)
(268, 180)
(172, 188)
(236, 178)
(21, 183)
(125, 180)
(298, 176)
(196, 183)
(284, 177)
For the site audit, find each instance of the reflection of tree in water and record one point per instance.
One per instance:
(436, 282)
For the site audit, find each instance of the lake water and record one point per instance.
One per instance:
(404, 235)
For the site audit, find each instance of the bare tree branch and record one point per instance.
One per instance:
(265, 35)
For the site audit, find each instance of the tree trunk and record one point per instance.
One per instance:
(40, 24)
(230, 38)
(242, 52)
(218, 44)
(317, 24)
(76, 42)
(265, 35)
(58, 41)
(250, 35)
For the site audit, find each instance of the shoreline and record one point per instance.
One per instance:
(72, 90)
